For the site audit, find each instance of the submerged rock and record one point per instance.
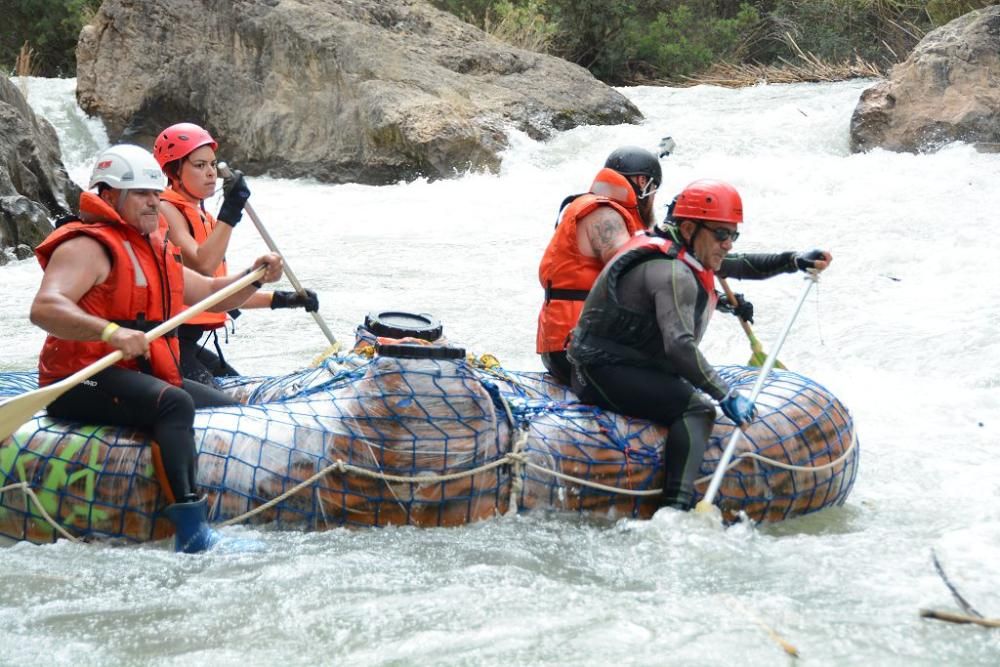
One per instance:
(947, 90)
(369, 91)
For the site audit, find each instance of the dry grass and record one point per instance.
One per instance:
(524, 30)
(806, 67)
(25, 67)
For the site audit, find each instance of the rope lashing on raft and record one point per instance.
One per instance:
(30, 494)
(515, 458)
(419, 441)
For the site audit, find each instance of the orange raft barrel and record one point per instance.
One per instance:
(407, 432)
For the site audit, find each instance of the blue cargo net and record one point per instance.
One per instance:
(366, 439)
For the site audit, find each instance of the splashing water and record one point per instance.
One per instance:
(902, 329)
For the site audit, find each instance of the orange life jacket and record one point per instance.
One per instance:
(567, 274)
(200, 224)
(144, 288)
(611, 333)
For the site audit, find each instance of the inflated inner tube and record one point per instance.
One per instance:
(398, 324)
(413, 351)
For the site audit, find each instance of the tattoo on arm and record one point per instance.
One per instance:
(606, 235)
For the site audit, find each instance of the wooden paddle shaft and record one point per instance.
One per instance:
(19, 409)
(734, 303)
(225, 171)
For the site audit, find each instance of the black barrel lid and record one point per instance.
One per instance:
(399, 324)
(413, 351)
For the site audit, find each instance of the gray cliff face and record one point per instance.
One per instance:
(947, 90)
(33, 181)
(369, 91)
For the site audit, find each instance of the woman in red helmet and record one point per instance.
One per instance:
(186, 153)
(635, 348)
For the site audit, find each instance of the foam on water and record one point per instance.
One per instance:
(902, 329)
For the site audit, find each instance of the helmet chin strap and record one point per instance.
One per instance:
(180, 183)
(689, 244)
(120, 204)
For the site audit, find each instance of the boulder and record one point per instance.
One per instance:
(947, 90)
(371, 91)
(22, 222)
(33, 181)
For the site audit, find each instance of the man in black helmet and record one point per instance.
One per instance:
(590, 229)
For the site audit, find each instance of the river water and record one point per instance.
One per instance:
(903, 329)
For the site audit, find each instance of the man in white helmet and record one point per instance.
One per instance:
(110, 276)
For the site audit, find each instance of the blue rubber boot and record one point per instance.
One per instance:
(193, 534)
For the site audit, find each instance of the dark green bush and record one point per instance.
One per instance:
(51, 28)
(627, 40)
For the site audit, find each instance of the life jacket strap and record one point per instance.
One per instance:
(557, 294)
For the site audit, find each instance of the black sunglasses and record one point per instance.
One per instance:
(721, 234)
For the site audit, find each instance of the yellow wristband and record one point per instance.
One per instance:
(109, 331)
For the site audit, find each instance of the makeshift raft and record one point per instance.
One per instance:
(407, 432)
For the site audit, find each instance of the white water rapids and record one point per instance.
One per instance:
(904, 329)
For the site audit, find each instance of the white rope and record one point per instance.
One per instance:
(787, 466)
(593, 485)
(516, 458)
(29, 492)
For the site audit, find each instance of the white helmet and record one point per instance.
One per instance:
(128, 167)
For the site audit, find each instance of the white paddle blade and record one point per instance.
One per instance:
(15, 411)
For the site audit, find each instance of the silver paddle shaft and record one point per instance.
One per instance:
(713, 487)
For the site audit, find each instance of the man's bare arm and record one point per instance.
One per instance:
(74, 268)
(605, 232)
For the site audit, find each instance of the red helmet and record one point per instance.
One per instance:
(707, 199)
(180, 140)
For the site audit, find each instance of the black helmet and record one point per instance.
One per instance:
(633, 161)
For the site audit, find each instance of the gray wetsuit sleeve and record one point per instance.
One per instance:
(757, 266)
(675, 297)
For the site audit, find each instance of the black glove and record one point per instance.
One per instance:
(236, 195)
(807, 260)
(743, 308)
(309, 300)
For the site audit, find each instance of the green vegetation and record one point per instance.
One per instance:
(620, 41)
(49, 28)
(630, 41)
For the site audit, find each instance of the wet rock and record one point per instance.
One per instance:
(370, 91)
(947, 90)
(33, 180)
(23, 222)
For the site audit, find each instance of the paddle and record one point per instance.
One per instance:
(224, 170)
(705, 504)
(758, 356)
(19, 409)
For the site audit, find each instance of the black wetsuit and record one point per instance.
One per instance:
(198, 363)
(635, 351)
(124, 397)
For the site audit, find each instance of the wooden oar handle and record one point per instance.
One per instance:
(226, 172)
(731, 298)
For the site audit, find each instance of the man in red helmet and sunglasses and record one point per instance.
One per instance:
(635, 348)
